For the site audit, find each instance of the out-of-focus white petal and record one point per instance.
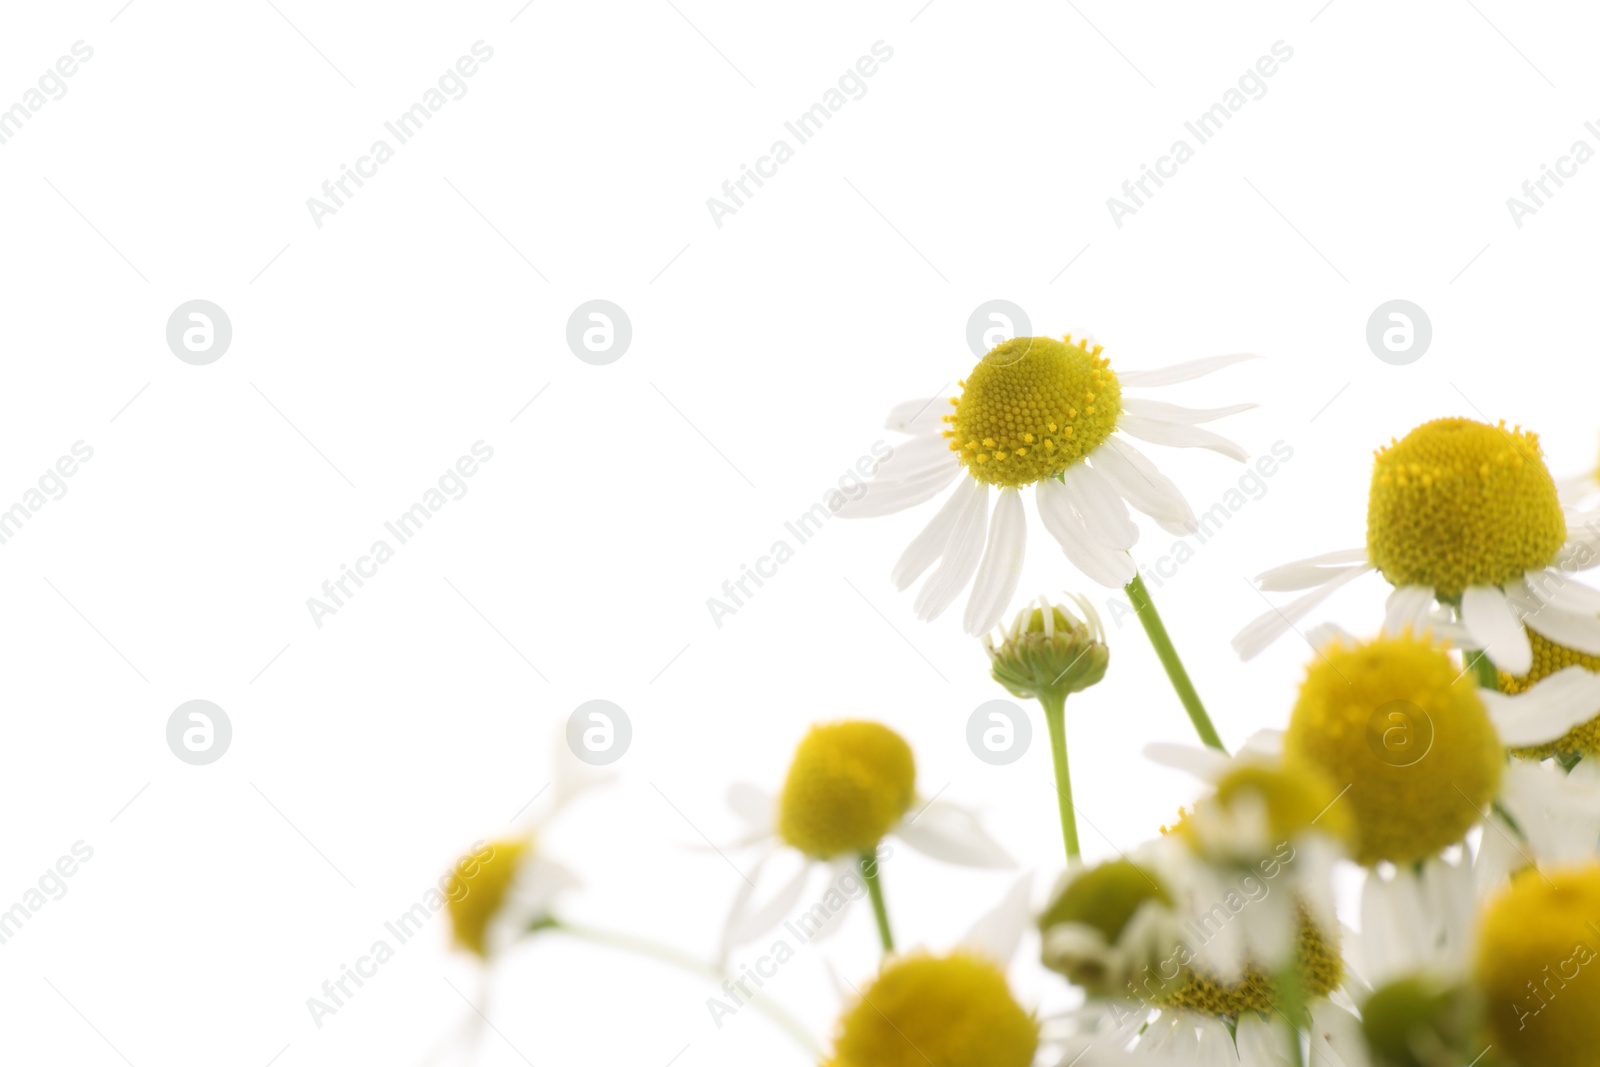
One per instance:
(1408, 607)
(952, 834)
(1548, 710)
(1495, 628)
(749, 921)
(1267, 628)
(755, 807)
(998, 934)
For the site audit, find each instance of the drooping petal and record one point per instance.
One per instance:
(755, 807)
(952, 834)
(961, 554)
(1578, 632)
(926, 548)
(920, 416)
(998, 934)
(1109, 567)
(1544, 713)
(1178, 435)
(1001, 568)
(1181, 372)
(886, 498)
(1409, 608)
(1552, 588)
(1267, 628)
(1143, 486)
(1206, 764)
(749, 921)
(1102, 509)
(1310, 573)
(1495, 628)
(1164, 412)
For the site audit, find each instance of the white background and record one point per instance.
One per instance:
(425, 314)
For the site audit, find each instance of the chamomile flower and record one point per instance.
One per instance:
(1048, 414)
(1466, 515)
(851, 785)
(502, 890)
(1557, 665)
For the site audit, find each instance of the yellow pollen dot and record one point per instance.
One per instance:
(1020, 395)
(849, 784)
(1536, 969)
(949, 1011)
(1316, 958)
(1459, 503)
(1548, 658)
(478, 888)
(1400, 722)
(983, 457)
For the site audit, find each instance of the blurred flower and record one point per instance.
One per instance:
(1048, 650)
(851, 785)
(1107, 924)
(1045, 413)
(502, 890)
(1465, 515)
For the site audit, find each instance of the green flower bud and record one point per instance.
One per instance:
(1049, 651)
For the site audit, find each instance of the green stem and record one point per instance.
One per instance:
(1293, 997)
(667, 954)
(880, 910)
(1488, 674)
(1157, 632)
(1055, 713)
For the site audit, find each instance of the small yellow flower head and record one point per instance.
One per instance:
(1095, 910)
(849, 784)
(1548, 658)
(1033, 407)
(1317, 959)
(948, 1011)
(1398, 722)
(1420, 1022)
(1296, 796)
(1457, 503)
(1538, 968)
(478, 889)
(1048, 650)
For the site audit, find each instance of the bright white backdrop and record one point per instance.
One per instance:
(430, 312)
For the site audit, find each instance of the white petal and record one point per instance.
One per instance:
(1547, 711)
(1558, 813)
(1181, 372)
(1001, 569)
(1578, 632)
(919, 416)
(1306, 573)
(750, 922)
(1206, 764)
(952, 834)
(1179, 436)
(1253, 639)
(1107, 566)
(1329, 633)
(1495, 628)
(1555, 589)
(756, 807)
(1262, 1043)
(1164, 412)
(961, 555)
(1336, 1037)
(926, 548)
(1409, 607)
(886, 498)
(1100, 506)
(1143, 486)
(844, 875)
(998, 934)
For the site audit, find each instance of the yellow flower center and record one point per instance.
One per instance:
(1320, 967)
(1538, 968)
(1458, 503)
(1297, 798)
(930, 1011)
(1401, 724)
(478, 887)
(1033, 407)
(850, 782)
(1548, 658)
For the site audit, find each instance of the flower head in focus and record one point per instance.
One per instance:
(1048, 650)
(1046, 414)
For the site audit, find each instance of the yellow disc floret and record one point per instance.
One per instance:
(933, 1011)
(850, 782)
(1400, 723)
(1548, 658)
(478, 888)
(1457, 503)
(1295, 796)
(1033, 407)
(1538, 968)
(1317, 960)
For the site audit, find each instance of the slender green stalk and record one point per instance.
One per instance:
(1488, 673)
(1293, 1006)
(667, 954)
(1055, 713)
(1157, 632)
(880, 910)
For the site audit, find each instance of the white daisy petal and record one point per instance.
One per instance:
(1102, 509)
(952, 834)
(1107, 566)
(886, 498)
(1578, 632)
(926, 548)
(1261, 1043)
(1554, 589)
(1547, 711)
(1206, 764)
(1267, 628)
(1179, 436)
(1308, 573)
(1181, 372)
(1495, 628)
(961, 555)
(923, 415)
(1164, 412)
(756, 807)
(1001, 568)
(1336, 1037)
(1409, 607)
(1143, 486)
(1329, 633)
(998, 934)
